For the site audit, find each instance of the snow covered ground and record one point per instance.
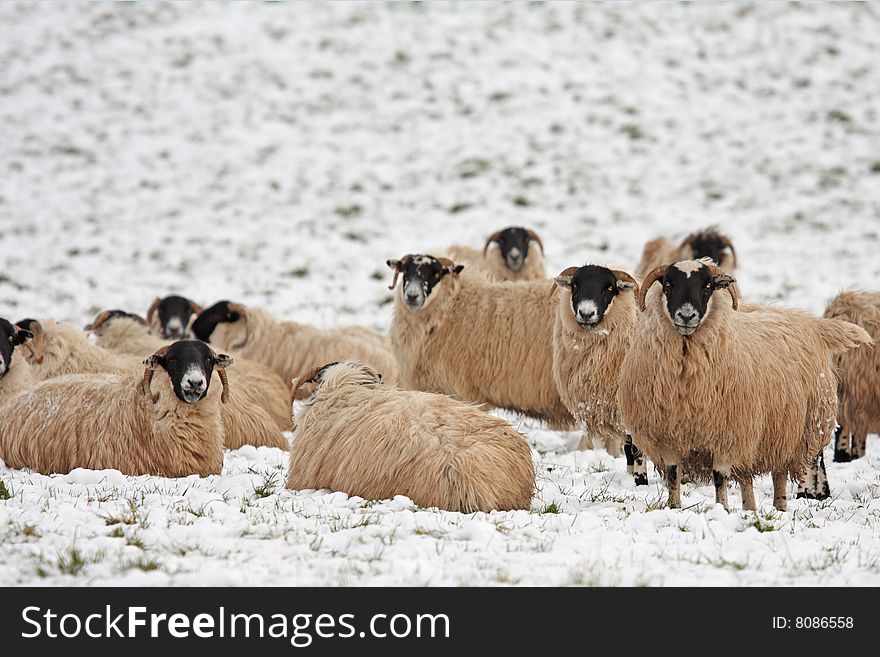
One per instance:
(277, 154)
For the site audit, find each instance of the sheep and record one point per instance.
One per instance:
(859, 372)
(125, 333)
(751, 392)
(58, 349)
(164, 421)
(708, 242)
(513, 260)
(593, 330)
(15, 378)
(169, 318)
(358, 435)
(290, 348)
(476, 340)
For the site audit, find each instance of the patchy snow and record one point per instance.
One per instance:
(271, 153)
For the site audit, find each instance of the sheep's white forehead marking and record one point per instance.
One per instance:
(423, 260)
(688, 267)
(588, 307)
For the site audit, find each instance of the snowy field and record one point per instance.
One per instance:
(278, 154)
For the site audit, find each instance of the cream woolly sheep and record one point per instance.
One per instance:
(170, 318)
(58, 349)
(290, 348)
(706, 243)
(358, 435)
(124, 333)
(165, 421)
(17, 377)
(594, 325)
(859, 372)
(479, 341)
(752, 391)
(512, 260)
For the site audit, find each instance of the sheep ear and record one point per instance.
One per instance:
(455, 270)
(222, 361)
(393, 264)
(154, 361)
(722, 281)
(625, 285)
(21, 336)
(563, 281)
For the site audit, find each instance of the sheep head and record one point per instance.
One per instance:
(103, 319)
(169, 318)
(224, 323)
(189, 364)
(513, 245)
(593, 290)
(362, 374)
(11, 336)
(35, 346)
(709, 243)
(688, 286)
(421, 273)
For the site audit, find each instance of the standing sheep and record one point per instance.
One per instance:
(15, 378)
(479, 341)
(754, 392)
(165, 421)
(706, 243)
(124, 333)
(593, 330)
(290, 348)
(512, 260)
(58, 349)
(358, 435)
(859, 372)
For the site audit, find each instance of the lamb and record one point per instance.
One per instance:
(358, 435)
(593, 330)
(513, 260)
(290, 348)
(58, 349)
(169, 318)
(476, 340)
(165, 421)
(859, 372)
(15, 378)
(706, 243)
(751, 392)
(125, 333)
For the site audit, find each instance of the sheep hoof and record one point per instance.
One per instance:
(641, 479)
(841, 456)
(804, 495)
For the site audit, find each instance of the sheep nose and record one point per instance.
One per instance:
(412, 296)
(588, 316)
(193, 383)
(686, 317)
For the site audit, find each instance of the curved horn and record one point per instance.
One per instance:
(395, 265)
(301, 379)
(152, 310)
(730, 286)
(494, 237)
(532, 235)
(196, 308)
(622, 276)
(565, 272)
(224, 396)
(150, 363)
(725, 241)
(446, 262)
(99, 320)
(653, 276)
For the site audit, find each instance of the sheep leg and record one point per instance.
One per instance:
(748, 493)
(780, 501)
(673, 484)
(821, 490)
(720, 475)
(859, 445)
(807, 483)
(635, 462)
(842, 445)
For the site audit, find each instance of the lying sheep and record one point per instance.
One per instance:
(358, 435)
(169, 318)
(290, 348)
(58, 349)
(752, 391)
(164, 421)
(479, 341)
(17, 377)
(593, 330)
(859, 372)
(123, 333)
(707, 243)
(512, 260)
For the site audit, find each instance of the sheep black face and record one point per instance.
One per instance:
(189, 364)
(593, 290)
(688, 285)
(710, 244)
(421, 273)
(208, 319)
(173, 313)
(10, 337)
(513, 242)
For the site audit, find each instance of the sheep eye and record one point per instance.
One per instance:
(611, 288)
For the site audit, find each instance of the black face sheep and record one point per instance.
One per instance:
(290, 348)
(358, 435)
(170, 317)
(595, 320)
(754, 392)
(16, 376)
(479, 341)
(706, 243)
(164, 421)
(515, 257)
